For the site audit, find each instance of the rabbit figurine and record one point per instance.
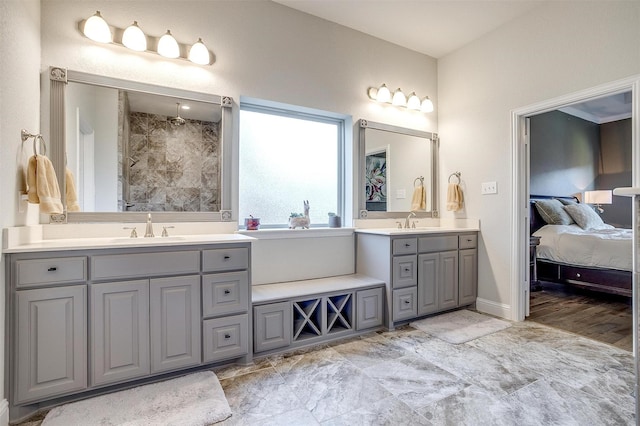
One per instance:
(297, 220)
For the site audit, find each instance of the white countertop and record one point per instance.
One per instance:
(626, 192)
(416, 231)
(126, 242)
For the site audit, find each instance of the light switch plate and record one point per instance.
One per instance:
(489, 188)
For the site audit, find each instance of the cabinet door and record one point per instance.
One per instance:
(119, 331)
(404, 271)
(428, 283)
(369, 308)
(468, 276)
(175, 322)
(272, 326)
(448, 280)
(51, 347)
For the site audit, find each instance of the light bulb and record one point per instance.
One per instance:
(168, 46)
(373, 93)
(399, 99)
(97, 29)
(427, 105)
(199, 54)
(413, 102)
(383, 95)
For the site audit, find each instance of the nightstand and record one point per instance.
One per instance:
(534, 242)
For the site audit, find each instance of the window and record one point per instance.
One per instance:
(288, 156)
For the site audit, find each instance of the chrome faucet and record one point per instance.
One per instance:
(149, 231)
(406, 221)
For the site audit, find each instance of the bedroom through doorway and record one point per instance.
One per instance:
(579, 233)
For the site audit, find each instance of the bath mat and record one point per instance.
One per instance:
(195, 399)
(460, 326)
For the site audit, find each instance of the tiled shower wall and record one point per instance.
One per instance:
(170, 167)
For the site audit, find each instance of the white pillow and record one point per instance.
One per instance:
(585, 216)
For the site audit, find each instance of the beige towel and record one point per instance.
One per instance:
(454, 197)
(70, 191)
(419, 199)
(43, 185)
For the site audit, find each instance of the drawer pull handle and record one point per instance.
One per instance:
(469, 241)
(227, 257)
(227, 292)
(407, 269)
(227, 336)
(52, 269)
(407, 245)
(406, 302)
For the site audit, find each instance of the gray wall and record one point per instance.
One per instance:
(570, 155)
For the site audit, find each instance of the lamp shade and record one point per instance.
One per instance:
(413, 102)
(97, 29)
(598, 197)
(399, 98)
(199, 54)
(383, 95)
(134, 38)
(427, 105)
(168, 46)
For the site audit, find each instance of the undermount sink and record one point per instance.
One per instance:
(146, 240)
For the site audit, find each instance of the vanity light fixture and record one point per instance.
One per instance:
(97, 29)
(134, 38)
(383, 94)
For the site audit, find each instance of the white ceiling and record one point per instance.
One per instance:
(432, 27)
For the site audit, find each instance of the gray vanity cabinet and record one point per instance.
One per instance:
(119, 331)
(51, 347)
(175, 322)
(424, 274)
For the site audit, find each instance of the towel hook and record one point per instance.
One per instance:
(456, 174)
(419, 178)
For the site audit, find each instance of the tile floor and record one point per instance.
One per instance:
(527, 374)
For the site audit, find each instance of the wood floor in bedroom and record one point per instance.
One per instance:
(599, 316)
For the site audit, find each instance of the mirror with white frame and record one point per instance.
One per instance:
(133, 147)
(398, 171)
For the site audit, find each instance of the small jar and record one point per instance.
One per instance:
(252, 223)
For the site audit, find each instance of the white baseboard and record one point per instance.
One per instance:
(4, 413)
(493, 308)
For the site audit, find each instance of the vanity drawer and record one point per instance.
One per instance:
(468, 241)
(405, 304)
(55, 270)
(404, 246)
(225, 259)
(144, 264)
(225, 338)
(225, 293)
(438, 243)
(405, 271)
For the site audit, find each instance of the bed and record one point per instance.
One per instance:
(595, 259)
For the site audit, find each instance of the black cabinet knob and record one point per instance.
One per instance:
(227, 336)
(52, 269)
(227, 292)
